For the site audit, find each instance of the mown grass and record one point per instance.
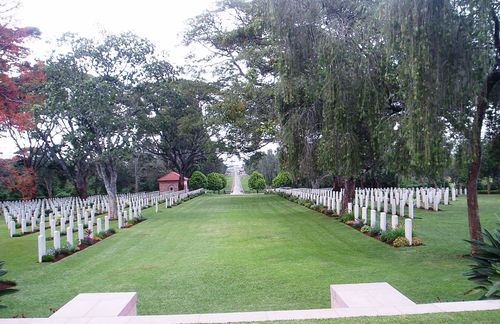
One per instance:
(221, 253)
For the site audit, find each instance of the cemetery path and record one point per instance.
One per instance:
(237, 188)
(221, 253)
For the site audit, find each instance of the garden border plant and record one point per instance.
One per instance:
(55, 255)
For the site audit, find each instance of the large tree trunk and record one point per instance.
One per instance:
(80, 184)
(107, 172)
(338, 183)
(473, 176)
(349, 192)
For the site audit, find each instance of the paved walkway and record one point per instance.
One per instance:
(237, 189)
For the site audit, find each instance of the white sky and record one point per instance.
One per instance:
(162, 22)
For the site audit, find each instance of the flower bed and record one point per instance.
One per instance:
(55, 255)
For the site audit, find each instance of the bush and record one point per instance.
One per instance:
(257, 181)
(48, 258)
(357, 224)
(67, 249)
(486, 271)
(214, 181)
(374, 231)
(87, 241)
(102, 235)
(390, 235)
(416, 241)
(110, 231)
(400, 242)
(365, 229)
(283, 179)
(198, 180)
(346, 217)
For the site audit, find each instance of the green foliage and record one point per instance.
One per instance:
(486, 270)
(390, 235)
(283, 179)
(365, 229)
(198, 180)
(48, 258)
(4, 290)
(400, 242)
(346, 217)
(256, 181)
(374, 231)
(215, 181)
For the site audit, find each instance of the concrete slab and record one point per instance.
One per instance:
(99, 305)
(377, 294)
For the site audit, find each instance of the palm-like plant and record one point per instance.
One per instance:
(5, 285)
(486, 271)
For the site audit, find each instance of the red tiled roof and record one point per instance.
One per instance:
(172, 176)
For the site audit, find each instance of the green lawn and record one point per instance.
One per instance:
(244, 183)
(221, 253)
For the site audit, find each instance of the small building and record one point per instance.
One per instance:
(170, 182)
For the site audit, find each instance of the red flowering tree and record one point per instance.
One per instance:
(17, 178)
(15, 77)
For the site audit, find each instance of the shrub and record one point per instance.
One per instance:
(87, 241)
(365, 229)
(48, 258)
(198, 180)
(357, 224)
(67, 249)
(374, 231)
(400, 242)
(102, 235)
(6, 290)
(214, 182)
(390, 235)
(256, 181)
(416, 241)
(283, 179)
(346, 217)
(486, 271)
(328, 212)
(110, 231)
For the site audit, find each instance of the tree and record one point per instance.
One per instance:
(172, 124)
(15, 76)
(198, 180)
(283, 179)
(214, 182)
(257, 181)
(103, 98)
(243, 118)
(265, 163)
(18, 178)
(447, 57)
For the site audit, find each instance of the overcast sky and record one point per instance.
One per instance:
(162, 22)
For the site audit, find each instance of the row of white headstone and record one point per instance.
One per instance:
(395, 200)
(136, 203)
(29, 215)
(377, 200)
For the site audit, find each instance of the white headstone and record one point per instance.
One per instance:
(69, 235)
(41, 247)
(394, 221)
(373, 218)
(57, 240)
(383, 221)
(99, 225)
(80, 232)
(408, 230)
(364, 215)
